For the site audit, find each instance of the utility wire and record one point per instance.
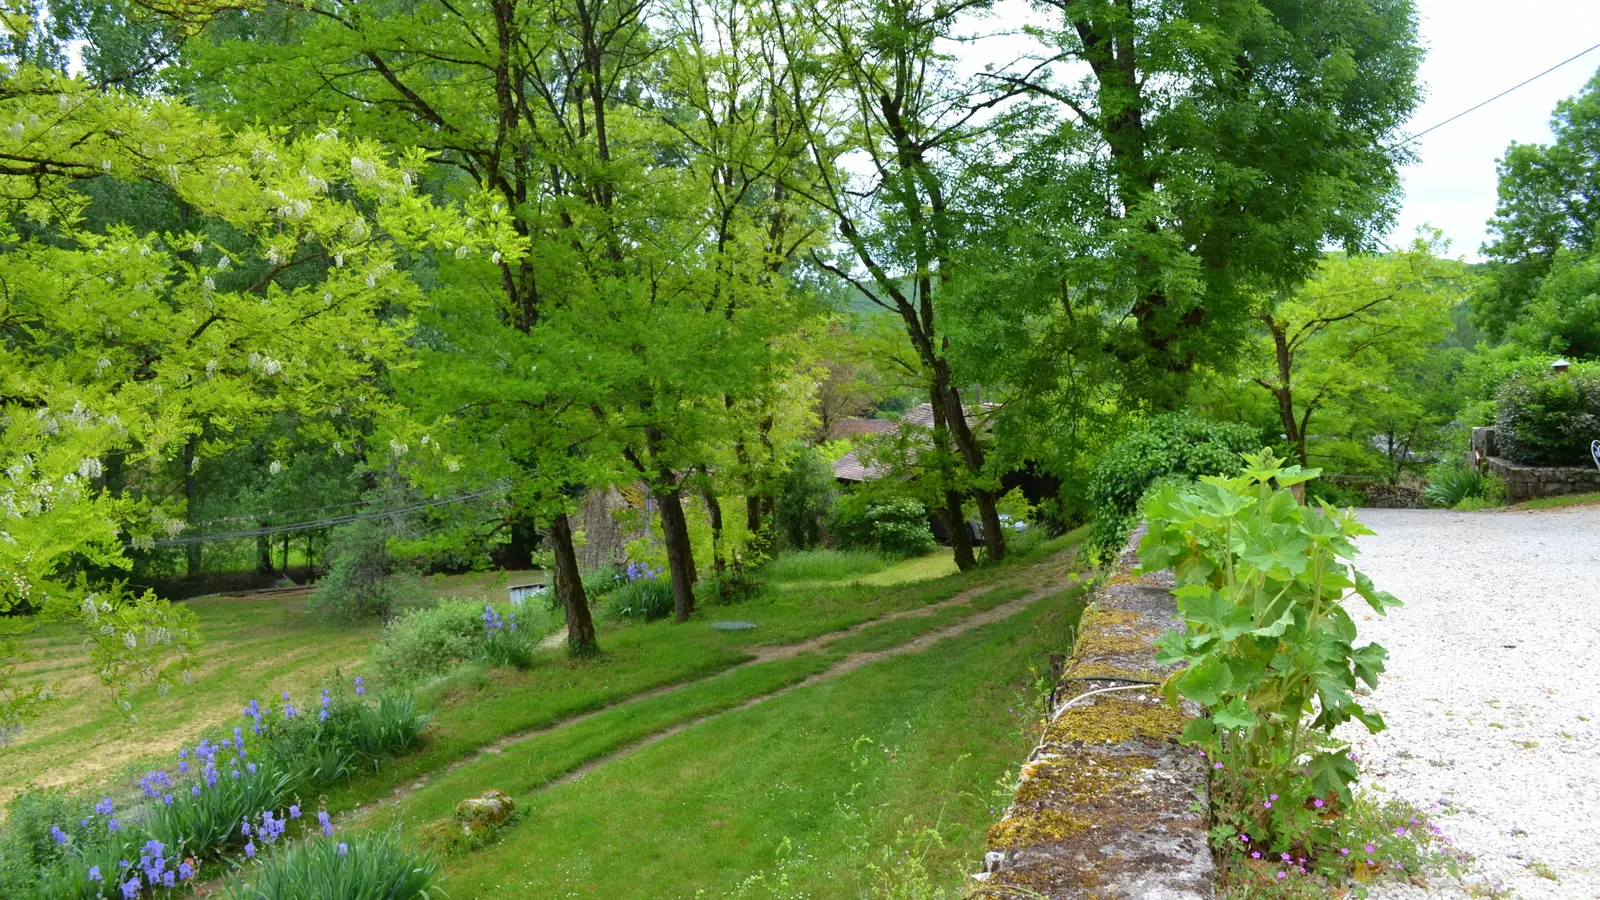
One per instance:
(326, 523)
(1508, 90)
(278, 513)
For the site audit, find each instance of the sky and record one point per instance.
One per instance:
(1476, 49)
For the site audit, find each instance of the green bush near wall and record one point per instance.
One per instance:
(1175, 446)
(1546, 419)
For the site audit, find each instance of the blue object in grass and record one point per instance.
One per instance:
(733, 626)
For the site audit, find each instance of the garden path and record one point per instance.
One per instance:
(1492, 696)
(1054, 574)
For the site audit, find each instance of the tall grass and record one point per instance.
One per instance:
(365, 866)
(822, 565)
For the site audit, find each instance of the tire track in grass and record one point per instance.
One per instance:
(1042, 579)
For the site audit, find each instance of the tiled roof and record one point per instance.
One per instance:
(850, 468)
(854, 425)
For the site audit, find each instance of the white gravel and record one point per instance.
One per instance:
(1492, 696)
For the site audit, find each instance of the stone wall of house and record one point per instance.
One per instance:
(1106, 805)
(1528, 482)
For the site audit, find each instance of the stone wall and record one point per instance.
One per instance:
(1380, 495)
(1106, 804)
(1528, 482)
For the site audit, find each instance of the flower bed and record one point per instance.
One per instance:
(231, 797)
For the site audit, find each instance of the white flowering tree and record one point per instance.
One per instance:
(289, 297)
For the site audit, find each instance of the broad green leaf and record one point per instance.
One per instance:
(1205, 682)
(1198, 731)
(1200, 605)
(1380, 601)
(1333, 773)
(1234, 716)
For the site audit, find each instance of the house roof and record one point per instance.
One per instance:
(849, 467)
(855, 425)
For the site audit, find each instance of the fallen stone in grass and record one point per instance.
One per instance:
(473, 826)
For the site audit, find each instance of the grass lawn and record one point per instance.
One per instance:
(820, 781)
(253, 646)
(1559, 502)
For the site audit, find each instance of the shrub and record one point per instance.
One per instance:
(822, 565)
(1176, 444)
(28, 843)
(805, 494)
(596, 584)
(425, 642)
(1452, 484)
(1549, 420)
(1334, 494)
(734, 585)
(894, 527)
(1260, 580)
(364, 580)
(361, 866)
(644, 595)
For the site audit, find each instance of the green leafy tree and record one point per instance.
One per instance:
(879, 89)
(117, 345)
(1541, 283)
(1341, 340)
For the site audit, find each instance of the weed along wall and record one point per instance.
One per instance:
(1109, 804)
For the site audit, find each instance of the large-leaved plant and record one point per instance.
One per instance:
(1268, 650)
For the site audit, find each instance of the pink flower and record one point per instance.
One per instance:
(1317, 803)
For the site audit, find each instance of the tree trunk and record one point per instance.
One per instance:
(680, 554)
(191, 502)
(960, 539)
(263, 551)
(714, 510)
(994, 539)
(569, 590)
(286, 554)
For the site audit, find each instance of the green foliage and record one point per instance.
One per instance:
(26, 845)
(359, 866)
(1322, 491)
(278, 291)
(733, 585)
(1268, 651)
(424, 642)
(823, 565)
(645, 598)
(1548, 419)
(1452, 484)
(805, 494)
(894, 527)
(1542, 277)
(1353, 362)
(1176, 444)
(364, 579)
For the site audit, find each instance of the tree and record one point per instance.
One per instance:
(633, 332)
(117, 345)
(1196, 154)
(1343, 338)
(1543, 236)
(879, 90)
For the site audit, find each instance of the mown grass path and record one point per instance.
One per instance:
(819, 658)
(972, 658)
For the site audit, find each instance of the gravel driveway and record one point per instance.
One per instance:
(1493, 691)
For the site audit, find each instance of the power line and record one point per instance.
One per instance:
(1508, 90)
(327, 523)
(277, 513)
